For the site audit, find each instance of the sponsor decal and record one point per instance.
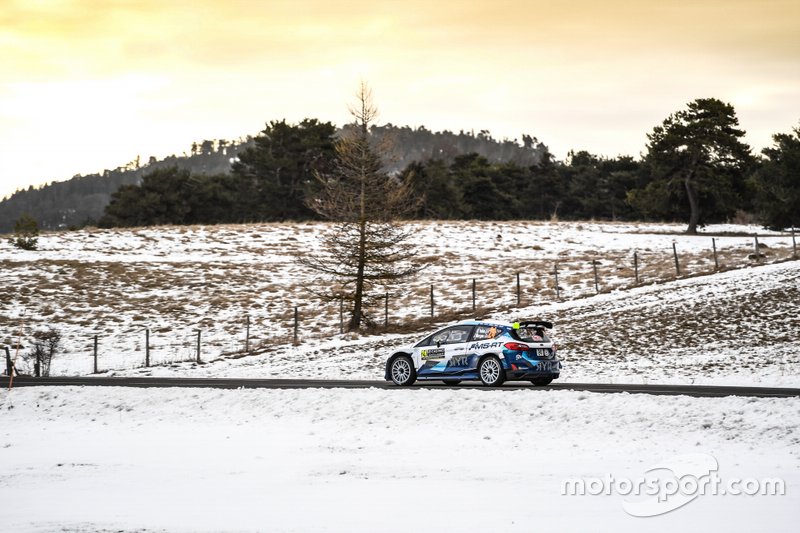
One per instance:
(484, 345)
(433, 353)
(460, 360)
(547, 366)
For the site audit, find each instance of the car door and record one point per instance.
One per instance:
(435, 355)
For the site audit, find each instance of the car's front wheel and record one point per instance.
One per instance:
(491, 372)
(402, 371)
(541, 382)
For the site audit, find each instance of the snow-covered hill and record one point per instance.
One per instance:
(732, 326)
(456, 459)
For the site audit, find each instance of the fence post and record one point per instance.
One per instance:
(519, 295)
(758, 253)
(296, 321)
(147, 347)
(473, 295)
(675, 253)
(714, 246)
(558, 289)
(198, 346)
(386, 311)
(37, 366)
(636, 266)
(9, 364)
(794, 245)
(95, 354)
(431, 300)
(341, 314)
(247, 334)
(596, 284)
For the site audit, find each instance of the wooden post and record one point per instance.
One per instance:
(714, 246)
(198, 346)
(386, 311)
(95, 354)
(296, 324)
(675, 253)
(247, 334)
(147, 347)
(473, 295)
(558, 289)
(341, 314)
(37, 366)
(755, 245)
(636, 266)
(431, 300)
(794, 245)
(596, 284)
(519, 295)
(9, 364)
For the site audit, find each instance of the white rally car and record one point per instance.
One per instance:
(491, 352)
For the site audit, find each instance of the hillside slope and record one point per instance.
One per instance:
(175, 281)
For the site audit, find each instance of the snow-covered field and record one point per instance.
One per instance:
(113, 459)
(735, 328)
(177, 280)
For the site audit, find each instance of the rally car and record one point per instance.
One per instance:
(491, 352)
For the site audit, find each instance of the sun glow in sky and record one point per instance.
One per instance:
(92, 84)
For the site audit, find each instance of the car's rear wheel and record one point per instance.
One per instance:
(490, 370)
(541, 382)
(402, 371)
(452, 382)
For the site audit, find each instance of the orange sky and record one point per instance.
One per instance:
(90, 84)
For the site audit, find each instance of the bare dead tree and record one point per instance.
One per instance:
(365, 247)
(46, 345)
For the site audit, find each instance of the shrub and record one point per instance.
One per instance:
(26, 233)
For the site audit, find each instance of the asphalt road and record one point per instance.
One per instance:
(236, 383)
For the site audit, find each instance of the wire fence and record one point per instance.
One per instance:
(403, 309)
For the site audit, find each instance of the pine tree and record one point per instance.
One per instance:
(777, 182)
(365, 246)
(26, 233)
(697, 163)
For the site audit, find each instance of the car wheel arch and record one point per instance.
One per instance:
(487, 355)
(395, 356)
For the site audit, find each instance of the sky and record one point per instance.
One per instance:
(87, 85)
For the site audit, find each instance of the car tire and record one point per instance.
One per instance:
(402, 371)
(451, 382)
(541, 382)
(491, 372)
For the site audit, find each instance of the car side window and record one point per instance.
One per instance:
(483, 333)
(452, 335)
(458, 334)
(440, 338)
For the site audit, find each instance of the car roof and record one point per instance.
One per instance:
(475, 322)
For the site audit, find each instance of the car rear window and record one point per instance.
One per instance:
(531, 335)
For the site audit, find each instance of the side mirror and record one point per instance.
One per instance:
(438, 344)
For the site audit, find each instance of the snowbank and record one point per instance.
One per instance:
(373, 460)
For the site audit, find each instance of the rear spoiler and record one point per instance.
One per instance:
(535, 323)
